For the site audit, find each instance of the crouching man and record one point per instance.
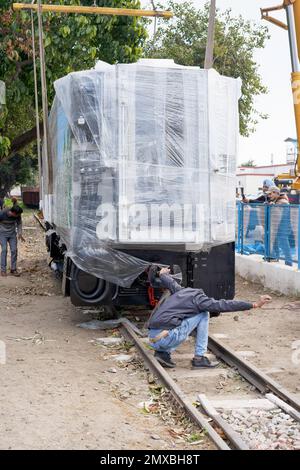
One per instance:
(10, 227)
(184, 311)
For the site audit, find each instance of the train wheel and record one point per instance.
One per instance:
(86, 289)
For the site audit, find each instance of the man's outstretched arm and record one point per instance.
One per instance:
(209, 304)
(168, 282)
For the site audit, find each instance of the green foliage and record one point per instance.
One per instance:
(4, 145)
(249, 163)
(184, 39)
(17, 170)
(195, 437)
(8, 203)
(72, 42)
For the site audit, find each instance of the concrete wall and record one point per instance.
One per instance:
(274, 276)
(266, 169)
(251, 178)
(250, 183)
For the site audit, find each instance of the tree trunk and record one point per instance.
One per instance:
(22, 141)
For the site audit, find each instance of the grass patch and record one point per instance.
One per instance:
(26, 210)
(195, 437)
(8, 203)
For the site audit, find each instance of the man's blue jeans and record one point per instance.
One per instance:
(12, 241)
(282, 242)
(282, 236)
(178, 335)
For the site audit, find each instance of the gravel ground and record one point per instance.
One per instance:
(265, 430)
(268, 337)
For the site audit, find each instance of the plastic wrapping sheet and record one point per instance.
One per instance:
(253, 229)
(254, 223)
(143, 154)
(284, 232)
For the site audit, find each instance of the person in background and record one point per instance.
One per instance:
(184, 311)
(267, 184)
(281, 225)
(14, 201)
(10, 227)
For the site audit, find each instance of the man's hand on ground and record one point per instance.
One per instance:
(164, 271)
(262, 301)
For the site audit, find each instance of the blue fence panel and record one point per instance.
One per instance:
(252, 232)
(284, 233)
(267, 232)
(270, 230)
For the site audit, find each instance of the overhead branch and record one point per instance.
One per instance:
(20, 66)
(22, 141)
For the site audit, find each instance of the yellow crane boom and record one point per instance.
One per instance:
(92, 10)
(292, 8)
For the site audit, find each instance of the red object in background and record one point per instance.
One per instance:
(31, 196)
(152, 299)
(294, 198)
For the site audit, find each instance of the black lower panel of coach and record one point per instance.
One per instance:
(211, 271)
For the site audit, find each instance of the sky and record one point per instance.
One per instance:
(275, 69)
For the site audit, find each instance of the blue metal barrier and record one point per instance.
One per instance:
(270, 230)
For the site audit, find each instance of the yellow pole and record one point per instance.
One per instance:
(292, 8)
(296, 7)
(296, 86)
(296, 96)
(93, 10)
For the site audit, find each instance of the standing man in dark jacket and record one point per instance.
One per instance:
(10, 227)
(255, 213)
(185, 310)
(267, 184)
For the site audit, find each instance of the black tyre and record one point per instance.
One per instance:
(86, 289)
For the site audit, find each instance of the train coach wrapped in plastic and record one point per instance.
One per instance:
(141, 169)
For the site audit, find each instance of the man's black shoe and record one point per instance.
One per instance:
(202, 362)
(164, 359)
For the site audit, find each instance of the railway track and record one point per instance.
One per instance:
(261, 408)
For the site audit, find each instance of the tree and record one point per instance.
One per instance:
(184, 39)
(72, 42)
(249, 163)
(17, 170)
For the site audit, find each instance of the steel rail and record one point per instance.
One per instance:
(176, 392)
(256, 377)
(40, 222)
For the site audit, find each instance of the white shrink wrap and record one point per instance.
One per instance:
(142, 155)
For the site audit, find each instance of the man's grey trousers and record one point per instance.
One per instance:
(12, 241)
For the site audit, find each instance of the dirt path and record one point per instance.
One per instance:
(60, 390)
(270, 336)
